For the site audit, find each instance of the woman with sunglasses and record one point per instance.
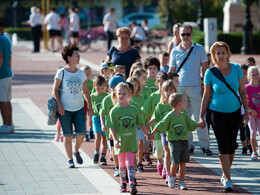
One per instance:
(176, 37)
(123, 54)
(71, 103)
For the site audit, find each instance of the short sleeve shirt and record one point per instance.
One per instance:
(151, 84)
(89, 85)
(74, 18)
(112, 19)
(6, 50)
(146, 92)
(125, 120)
(52, 20)
(253, 97)
(189, 74)
(176, 127)
(123, 58)
(150, 104)
(96, 100)
(71, 89)
(223, 99)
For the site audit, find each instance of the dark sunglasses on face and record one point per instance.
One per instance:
(185, 34)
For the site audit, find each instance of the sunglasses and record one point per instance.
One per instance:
(185, 34)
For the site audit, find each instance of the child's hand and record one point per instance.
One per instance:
(104, 128)
(149, 137)
(117, 143)
(254, 113)
(202, 125)
(147, 126)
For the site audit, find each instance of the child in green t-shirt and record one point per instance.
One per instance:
(161, 109)
(100, 84)
(106, 106)
(88, 72)
(152, 66)
(176, 124)
(122, 121)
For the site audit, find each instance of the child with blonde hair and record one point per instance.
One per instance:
(253, 97)
(122, 121)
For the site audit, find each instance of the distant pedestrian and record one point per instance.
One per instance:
(53, 22)
(74, 26)
(190, 80)
(250, 61)
(224, 107)
(110, 26)
(70, 102)
(5, 83)
(35, 22)
(176, 37)
(138, 34)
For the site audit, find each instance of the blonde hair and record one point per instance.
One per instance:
(134, 67)
(250, 70)
(175, 99)
(85, 68)
(138, 72)
(123, 30)
(135, 79)
(214, 48)
(121, 86)
(167, 85)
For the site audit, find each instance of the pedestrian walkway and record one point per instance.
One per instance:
(31, 163)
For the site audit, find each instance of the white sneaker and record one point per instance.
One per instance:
(182, 186)
(223, 180)
(171, 181)
(228, 186)
(6, 129)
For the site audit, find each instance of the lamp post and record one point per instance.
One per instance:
(200, 15)
(247, 47)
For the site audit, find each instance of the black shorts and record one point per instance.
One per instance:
(225, 127)
(54, 33)
(74, 34)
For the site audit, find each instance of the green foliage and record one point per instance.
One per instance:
(22, 33)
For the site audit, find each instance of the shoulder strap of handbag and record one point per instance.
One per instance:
(186, 58)
(220, 76)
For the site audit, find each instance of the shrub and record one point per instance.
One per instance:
(22, 33)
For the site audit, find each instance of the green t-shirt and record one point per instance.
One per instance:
(139, 101)
(150, 104)
(96, 101)
(151, 84)
(125, 120)
(90, 85)
(146, 92)
(160, 111)
(106, 105)
(176, 126)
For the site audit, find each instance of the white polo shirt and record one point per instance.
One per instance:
(74, 18)
(53, 21)
(189, 74)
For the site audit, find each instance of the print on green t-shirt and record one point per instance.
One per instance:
(96, 101)
(146, 92)
(151, 84)
(125, 120)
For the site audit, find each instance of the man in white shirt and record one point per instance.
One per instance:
(138, 34)
(53, 22)
(190, 80)
(74, 26)
(110, 25)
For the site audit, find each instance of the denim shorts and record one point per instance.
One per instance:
(77, 118)
(179, 151)
(97, 125)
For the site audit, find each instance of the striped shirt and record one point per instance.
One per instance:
(189, 74)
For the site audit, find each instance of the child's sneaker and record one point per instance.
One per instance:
(223, 180)
(171, 181)
(254, 156)
(70, 163)
(147, 159)
(163, 173)
(86, 137)
(182, 185)
(96, 158)
(111, 157)
(123, 187)
(91, 134)
(61, 138)
(133, 189)
(140, 167)
(78, 158)
(160, 168)
(103, 161)
(116, 172)
(167, 177)
(228, 186)
(57, 138)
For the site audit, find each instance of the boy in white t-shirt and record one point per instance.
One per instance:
(74, 26)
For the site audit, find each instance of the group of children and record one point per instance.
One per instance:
(129, 113)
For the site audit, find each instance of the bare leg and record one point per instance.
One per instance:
(173, 170)
(140, 151)
(225, 164)
(6, 112)
(182, 171)
(253, 144)
(68, 146)
(97, 141)
(104, 144)
(167, 158)
(79, 141)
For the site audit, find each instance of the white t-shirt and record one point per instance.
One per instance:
(139, 33)
(112, 19)
(71, 89)
(74, 18)
(53, 21)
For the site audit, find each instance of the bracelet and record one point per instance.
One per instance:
(246, 110)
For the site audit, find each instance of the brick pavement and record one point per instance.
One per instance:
(34, 77)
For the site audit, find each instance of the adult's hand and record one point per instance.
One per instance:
(246, 119)
(61, 110)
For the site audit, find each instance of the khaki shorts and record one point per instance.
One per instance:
(5, 89)
(179, 151)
